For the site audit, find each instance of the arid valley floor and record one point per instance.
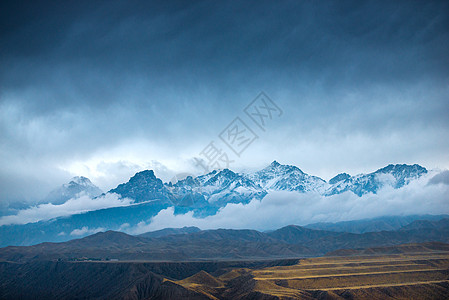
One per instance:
(410, 271)
(421, 275)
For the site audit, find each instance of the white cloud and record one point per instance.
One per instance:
(440, 178)
(283, 208)
(107, 171)
(277, 209)
(124, 227)
(73, 206)
(85, 230)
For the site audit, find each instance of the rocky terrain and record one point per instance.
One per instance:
(413, 271)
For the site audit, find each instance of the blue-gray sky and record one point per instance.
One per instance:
(106, 88)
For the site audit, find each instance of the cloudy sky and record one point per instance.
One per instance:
(107, 88)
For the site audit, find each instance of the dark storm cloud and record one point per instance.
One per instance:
(79, 78)
(369, 41)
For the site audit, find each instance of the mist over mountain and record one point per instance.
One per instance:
(224, 150)
(146, 203)
(219, 188)
(75, 187)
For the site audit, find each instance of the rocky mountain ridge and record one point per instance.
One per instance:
(218, 188)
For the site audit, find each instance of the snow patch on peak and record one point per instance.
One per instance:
(287, 178)
(339, 177)
(76, 186)
(81, 180)
(275, 164)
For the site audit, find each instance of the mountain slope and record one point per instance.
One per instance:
(144, 186)
(59, 280)
(287, 242)
(66, 228)
(229, 187)
(77, 186)
(293, 234)
(387, 223)
(169, 231)
(286, 178)
(393, 175)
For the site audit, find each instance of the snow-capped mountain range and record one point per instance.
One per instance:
(218, 188)
(395, 176)
(203, 195)
(214, 189)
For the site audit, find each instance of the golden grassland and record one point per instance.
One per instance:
(399, 276)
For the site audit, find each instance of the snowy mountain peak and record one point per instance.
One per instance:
(143, 186)
(74, 188)
(280, 167)
(392, 175)
(274, 164)
(286, 177)
(402, 173)
(339, 177)
(223, 177)
(81, 180)
(189, 180)
(146, 174)
(403, 169)
(215, 189)
(227, 173)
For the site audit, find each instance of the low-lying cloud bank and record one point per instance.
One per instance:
(85, 230)
(426, 195)
(281, 208)
(48, 211)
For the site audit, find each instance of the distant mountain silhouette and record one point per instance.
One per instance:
(386, 223)
(287, 242)
(169, 231)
